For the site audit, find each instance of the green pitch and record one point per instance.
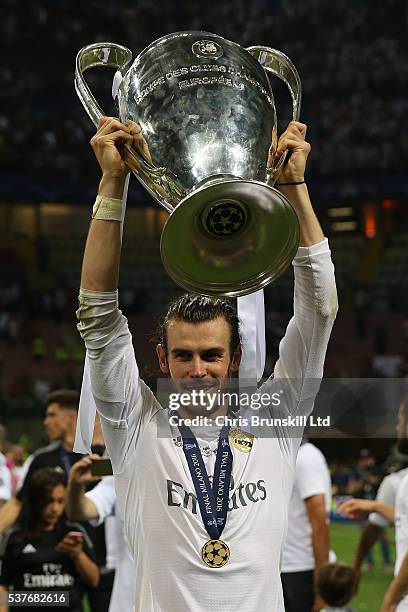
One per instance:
(373, 584)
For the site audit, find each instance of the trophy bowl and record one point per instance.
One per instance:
(207, 115)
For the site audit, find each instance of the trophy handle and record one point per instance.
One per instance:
(158, 181)
(280, 65)
(93, 56)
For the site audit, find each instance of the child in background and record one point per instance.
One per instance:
(335, 584)
(45, 552)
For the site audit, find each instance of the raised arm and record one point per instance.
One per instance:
(78, 506)
(113, 370)
(100, 266)
(291, 181)
(302, 350)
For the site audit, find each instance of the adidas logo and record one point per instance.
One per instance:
(29, 548)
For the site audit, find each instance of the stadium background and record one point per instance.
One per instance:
(352, 59)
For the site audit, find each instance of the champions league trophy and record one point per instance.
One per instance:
(206, 110)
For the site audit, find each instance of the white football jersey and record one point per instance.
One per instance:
(153, 484)
(312, 477)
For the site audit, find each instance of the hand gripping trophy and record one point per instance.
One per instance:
(206, 110)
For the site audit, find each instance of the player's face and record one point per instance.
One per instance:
(55, 507)
(56, 422)
(198, 355)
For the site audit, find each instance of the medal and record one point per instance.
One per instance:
(215, 553)
(212, 500)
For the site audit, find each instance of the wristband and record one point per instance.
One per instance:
(108, 209)
(294, 183)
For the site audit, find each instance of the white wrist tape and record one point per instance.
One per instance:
(109, 209)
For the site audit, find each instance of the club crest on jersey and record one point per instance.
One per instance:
(241, 440)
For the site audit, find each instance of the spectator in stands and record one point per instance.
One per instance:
(340, 478)
(44, 552)
(349, 80)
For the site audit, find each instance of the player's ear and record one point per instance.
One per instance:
(236, 359)
(162, 357)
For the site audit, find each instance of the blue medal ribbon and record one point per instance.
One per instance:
(212, 500)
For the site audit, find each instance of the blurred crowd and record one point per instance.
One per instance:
(352, 60)
(361, 476)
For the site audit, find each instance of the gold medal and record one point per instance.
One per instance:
(215, 553)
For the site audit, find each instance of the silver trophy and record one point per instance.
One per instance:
(206, 110)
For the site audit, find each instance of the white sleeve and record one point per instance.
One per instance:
(310, 474)
(104, 497)
(303, 349)
(122, 399)
(387, 494)
(5, 481)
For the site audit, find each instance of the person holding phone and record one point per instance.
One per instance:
(44, 552)
(97, 506)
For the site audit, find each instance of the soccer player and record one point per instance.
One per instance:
(174, 518)
(307, 543)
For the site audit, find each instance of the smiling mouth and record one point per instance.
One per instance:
(198, 388)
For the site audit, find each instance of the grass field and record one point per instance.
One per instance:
(344, 539)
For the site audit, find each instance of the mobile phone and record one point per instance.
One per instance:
(101, 467)
(76, 535)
